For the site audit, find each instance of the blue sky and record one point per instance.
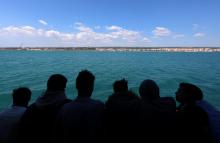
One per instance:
(109, 23)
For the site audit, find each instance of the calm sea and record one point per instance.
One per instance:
(32, 69)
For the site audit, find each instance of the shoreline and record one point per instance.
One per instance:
(115, 49)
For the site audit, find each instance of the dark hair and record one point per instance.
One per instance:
(149, 90)
(120, 86)
(191, 92)
(85, 82)
(56, 82)
(21, 96)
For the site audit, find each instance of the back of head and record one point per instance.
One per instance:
(120, 86)
(21, 96)
(56, 82)
(85, 83)
(149, 90)
(190, 92)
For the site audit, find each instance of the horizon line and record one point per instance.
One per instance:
(111, 47)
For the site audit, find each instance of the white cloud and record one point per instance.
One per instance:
(60, 35)
(146, 39)
(13, 30)
(81, 27)
(114, 35)
(199, 34)
(113, 27)
(125, 34)
(84, 36)
(87, 35)
(52, 33)
(97, 27)
(42, 22)
(40, 32)
(161, 32)
(118, 32)
(178, 36)
(31, 31)
(78, 23)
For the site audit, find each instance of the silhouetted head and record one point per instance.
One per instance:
(149, 90)
(120, 86)
(21, 96)
(56, 82)
(188, 93)
(85, 83)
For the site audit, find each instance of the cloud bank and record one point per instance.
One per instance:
(84, 36)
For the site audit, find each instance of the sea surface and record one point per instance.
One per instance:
(168, 69)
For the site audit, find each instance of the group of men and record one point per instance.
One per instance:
(54, 118)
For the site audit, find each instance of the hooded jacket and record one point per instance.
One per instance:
(122, 117)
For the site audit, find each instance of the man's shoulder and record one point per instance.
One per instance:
(13, 111)
(4, 112)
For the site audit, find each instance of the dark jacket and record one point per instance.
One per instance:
(122, 117)
(193, 125)
(158, 120)
(37, 123)
(80, 121)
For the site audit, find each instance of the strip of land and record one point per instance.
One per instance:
(115, 49)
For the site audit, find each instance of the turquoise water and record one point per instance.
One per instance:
(32, 69)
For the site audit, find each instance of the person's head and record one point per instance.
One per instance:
(21, 96)
(149, 90)
(188, 93)
(85, 83)
(120, 86)
(56, 82)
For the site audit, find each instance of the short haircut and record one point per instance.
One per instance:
(56, 82)
(85, 81)
(21, 96)
(120, 86)
(149, 90)
(191, 91)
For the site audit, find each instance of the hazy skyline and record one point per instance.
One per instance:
(109, 23)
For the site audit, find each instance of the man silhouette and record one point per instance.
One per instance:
(37, 123)
(82, 119)
(9, 118)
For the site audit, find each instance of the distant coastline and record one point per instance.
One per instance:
(116, 49)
